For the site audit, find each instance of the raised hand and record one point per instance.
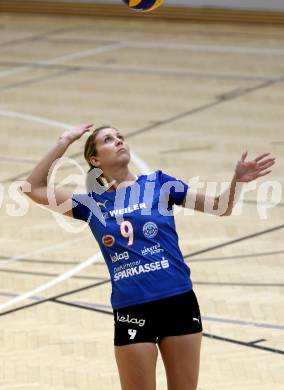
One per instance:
(247, 171)
(75, 133)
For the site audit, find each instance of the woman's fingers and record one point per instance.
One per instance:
(257, 167)
(83, 129)
(263, 173)
(87, 126)
(260, 170)
(266, 165)
(267, 161)
(257, 159)
(244, 155)
(261, 157)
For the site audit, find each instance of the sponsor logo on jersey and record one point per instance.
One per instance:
(133, 320)
(150, 229)
(140, 269)
(108, 240)
(126, 265)
(152, 249)
(129, 209)
(119, 256)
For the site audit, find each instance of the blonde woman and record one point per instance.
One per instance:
(154, 305)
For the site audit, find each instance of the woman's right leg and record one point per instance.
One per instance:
(137, 366)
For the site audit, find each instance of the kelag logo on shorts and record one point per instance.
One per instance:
(150, 229)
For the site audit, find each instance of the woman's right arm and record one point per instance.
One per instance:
(37, 180)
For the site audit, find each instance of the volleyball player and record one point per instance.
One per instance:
(154, 305)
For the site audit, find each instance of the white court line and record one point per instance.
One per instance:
(64, 58)
(52, 282)
(82, 54)
(142, 167)
(148, 45)
(42, 250)
(205, 48)
(36, 119)
(179, 72)
(7, 387)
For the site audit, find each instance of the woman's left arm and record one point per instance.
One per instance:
(245, 172)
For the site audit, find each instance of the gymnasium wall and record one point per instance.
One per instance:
(247, 11)
(277, 5)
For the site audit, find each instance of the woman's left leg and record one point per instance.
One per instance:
(181, 356)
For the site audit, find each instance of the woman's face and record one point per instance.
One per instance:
(111, 150)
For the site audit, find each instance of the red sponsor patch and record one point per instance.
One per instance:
(108, 240)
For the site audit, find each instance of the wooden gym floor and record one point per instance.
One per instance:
(190, 97)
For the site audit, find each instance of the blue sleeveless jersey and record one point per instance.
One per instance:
(135, 229)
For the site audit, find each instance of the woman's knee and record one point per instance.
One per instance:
(137, 366)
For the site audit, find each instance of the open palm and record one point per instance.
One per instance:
(76, 132)
(250, 170)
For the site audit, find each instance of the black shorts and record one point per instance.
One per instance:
(151, 321)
